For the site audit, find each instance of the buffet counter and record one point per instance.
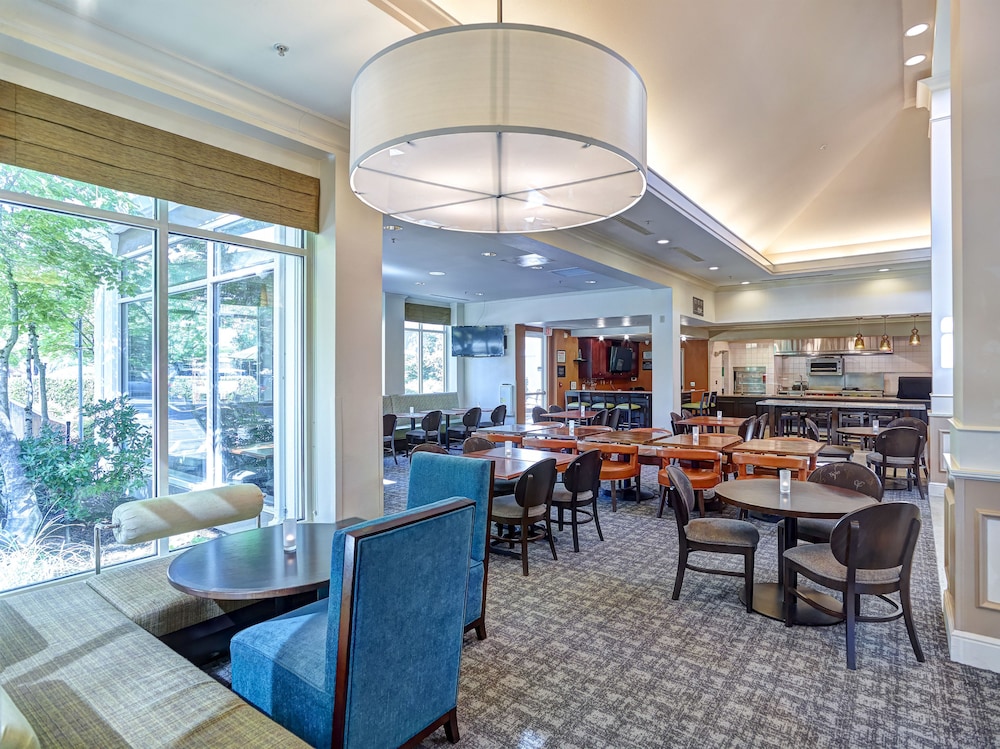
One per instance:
(841, 409)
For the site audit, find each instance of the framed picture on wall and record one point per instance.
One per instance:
(560, 356)
(647, 356)
(560, 370)
(647, 365)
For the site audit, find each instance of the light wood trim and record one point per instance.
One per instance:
(49, 134)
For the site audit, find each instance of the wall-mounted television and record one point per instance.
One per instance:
(477, 340)
(619, 359)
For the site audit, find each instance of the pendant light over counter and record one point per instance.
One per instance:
(914, 335)
(886, 343)
(859, 340)
(498, 128)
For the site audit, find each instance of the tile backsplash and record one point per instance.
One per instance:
(874, 371)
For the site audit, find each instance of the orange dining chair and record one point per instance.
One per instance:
(703, 468)
(618, 463)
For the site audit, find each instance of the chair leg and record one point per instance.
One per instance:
(524, 549)
(481, 631)
(663, 501)
(451, 726)
(548, 534)
(701, 502)
(638, 488)
(849, 616)
(597, 522)
(911, 630)
(748, 574)
(682, 559)
(614, 497)
(574, 525)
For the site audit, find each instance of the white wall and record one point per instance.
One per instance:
(893, 293)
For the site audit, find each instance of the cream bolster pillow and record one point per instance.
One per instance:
(149, 519)
(15, 731)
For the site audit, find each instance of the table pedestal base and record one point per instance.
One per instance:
(768, 599)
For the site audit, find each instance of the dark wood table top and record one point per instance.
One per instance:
(253, 564)
(806, 499)
(562, 431)
(716, 441)
(520, 460)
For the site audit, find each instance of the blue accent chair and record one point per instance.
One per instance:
(377, 663)
(437, 477)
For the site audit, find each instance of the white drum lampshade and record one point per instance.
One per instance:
(498, 128)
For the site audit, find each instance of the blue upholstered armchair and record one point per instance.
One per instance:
(437, 477)
(377, 663)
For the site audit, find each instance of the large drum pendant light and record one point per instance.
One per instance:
(498, 128)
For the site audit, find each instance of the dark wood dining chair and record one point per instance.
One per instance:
(715, 535)
(497, 417)
(899, 448)
(853, 476)
(429, 431)
(389, 436)
(428, 447)
(470, 422)
(580, 486)
(501, 487)
(761, 429)
(870, 553)
(538, 414)
(676, 426)
(830, 452)
(530, 504)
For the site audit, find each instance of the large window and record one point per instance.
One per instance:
(425, 361)
(150, 349)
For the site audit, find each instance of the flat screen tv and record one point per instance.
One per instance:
(477, 340)
(619, 359)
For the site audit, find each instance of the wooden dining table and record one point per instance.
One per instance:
(447, 413)
(779, 446)
(805, 500)
(708, 441)
(639, 436)
(575, 413)
(866, 434)
(519, 461)
(712, 423)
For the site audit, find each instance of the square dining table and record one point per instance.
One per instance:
(519, 461)
(780, 446)
(708, 441)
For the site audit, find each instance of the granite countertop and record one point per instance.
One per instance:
(840, 401)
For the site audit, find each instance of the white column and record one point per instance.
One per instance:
(393, 320)
(344, 411)
(666, 330)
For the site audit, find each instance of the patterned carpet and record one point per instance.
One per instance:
(590, 651)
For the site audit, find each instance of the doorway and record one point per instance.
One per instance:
(534, 371)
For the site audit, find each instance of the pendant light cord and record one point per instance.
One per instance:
(499, 11)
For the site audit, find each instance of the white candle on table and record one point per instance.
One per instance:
(289, 531)
(694, 434)
(784, 481)
(508, 448)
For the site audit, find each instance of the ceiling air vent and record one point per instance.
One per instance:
(632, 225)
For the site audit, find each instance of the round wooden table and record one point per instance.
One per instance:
(865, 434)
(253, 565)
(806, 500)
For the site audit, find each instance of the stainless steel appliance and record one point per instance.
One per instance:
(826, 365)
(749, 380)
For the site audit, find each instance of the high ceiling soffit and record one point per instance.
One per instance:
(786, 128)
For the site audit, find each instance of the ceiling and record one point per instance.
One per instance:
(782, 136)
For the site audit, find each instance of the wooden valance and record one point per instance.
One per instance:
(52, 135)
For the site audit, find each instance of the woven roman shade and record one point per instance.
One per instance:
(427, 313)
(52, 135)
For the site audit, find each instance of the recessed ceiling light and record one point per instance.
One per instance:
(744, 283)
(917, 30)
(915, 60)
(478, 293)
(419, 283)
(435, 273)
(663, 241)
(590, 280)
(489, 254)
(713, 267)
(536, 267)
(392, 227)
(883, 270)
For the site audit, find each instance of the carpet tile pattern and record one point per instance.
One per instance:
(590, 651)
